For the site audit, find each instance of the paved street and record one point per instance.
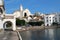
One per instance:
(8, 35)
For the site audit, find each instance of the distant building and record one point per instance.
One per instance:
(38, 17)
(57, 18)
(50, 18)
(22, 14)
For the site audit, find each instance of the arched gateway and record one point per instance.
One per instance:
(8, 25)
(9, 22)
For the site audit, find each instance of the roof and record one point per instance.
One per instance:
(9, 14)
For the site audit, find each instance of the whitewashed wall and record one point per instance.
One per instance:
(1, 2)
(13, 22)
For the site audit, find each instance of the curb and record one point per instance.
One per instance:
(19, 36)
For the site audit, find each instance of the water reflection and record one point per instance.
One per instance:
(26, 35)
(47, 34)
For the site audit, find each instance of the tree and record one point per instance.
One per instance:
(54, 23)
(20, 22)
(36, 23)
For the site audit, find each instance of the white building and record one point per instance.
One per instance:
(22, 13)
(5, 18)
(57, 18)
(49, 19)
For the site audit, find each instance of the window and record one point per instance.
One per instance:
(50, 20)
(25, 14)
(53, 20)
(47, 20)
(46, 17)
(47, 24)
(1, 10)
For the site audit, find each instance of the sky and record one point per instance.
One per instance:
(43, 6)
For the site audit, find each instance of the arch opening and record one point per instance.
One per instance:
(1, 11)
(7, 25)
(25, 14)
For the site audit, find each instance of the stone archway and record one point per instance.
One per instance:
(8, 25)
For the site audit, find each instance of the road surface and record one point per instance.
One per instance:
(8, 35)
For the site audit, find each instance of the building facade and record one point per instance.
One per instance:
(57, 18)
(50, 18)
(11, 18)
(24, 14)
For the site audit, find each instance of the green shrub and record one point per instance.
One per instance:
(36, 23)
(54, 23)
(20, 22)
